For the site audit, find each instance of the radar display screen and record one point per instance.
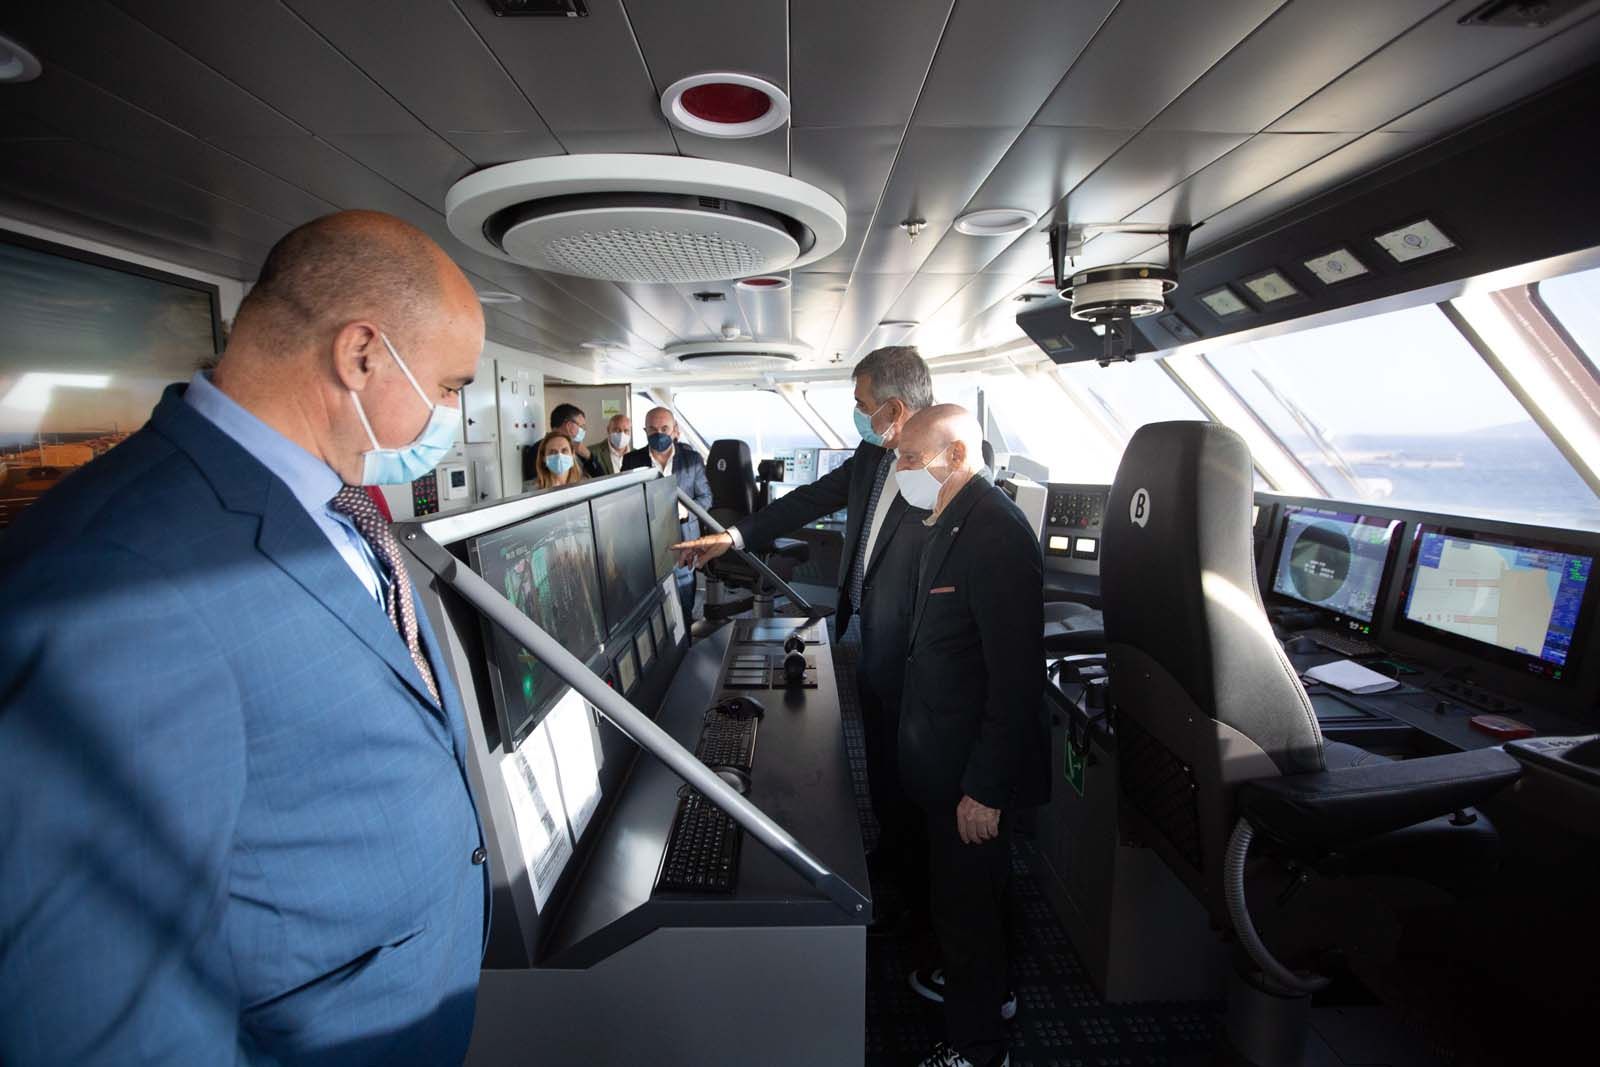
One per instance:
(546, 568)
(661, 495)
(622, 540)
(1523, 599)
(1333, 560)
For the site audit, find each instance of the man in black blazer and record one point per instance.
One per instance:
(663, 450)
(882, 542)
(974, 739)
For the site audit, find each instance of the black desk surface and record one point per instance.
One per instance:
(801, 778)
(1405, 719)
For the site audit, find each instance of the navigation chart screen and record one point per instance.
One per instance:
(1333, 560)
(546, 568)
(1520, 598)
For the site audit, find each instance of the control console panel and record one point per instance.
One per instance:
(1074, 517)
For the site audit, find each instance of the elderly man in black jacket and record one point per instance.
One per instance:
(974, 738)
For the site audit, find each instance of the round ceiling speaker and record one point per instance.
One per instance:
(17, 64)
(743, 355)
(1121, 291)
(995, 222)
(725, 105)
(636, 218)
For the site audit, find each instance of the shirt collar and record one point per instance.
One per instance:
(312, 481)
(665, 464)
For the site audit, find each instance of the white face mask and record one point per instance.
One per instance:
(919, 486)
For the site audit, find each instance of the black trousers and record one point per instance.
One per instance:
(969, 885)
(902, 839)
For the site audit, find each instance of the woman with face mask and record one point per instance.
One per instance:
(556, 462)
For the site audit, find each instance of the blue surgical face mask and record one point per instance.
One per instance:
(577, 436)
(396, 466)
(864, 425)
(659, 442)
(558, 463)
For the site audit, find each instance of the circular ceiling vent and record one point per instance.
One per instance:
(736, 355)
(725, 105)
(636, 218)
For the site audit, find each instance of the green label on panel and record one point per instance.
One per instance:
(1073, 769)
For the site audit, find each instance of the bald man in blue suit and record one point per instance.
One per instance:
(235, 825)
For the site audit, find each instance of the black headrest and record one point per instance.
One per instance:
(733, 480)
(1177, 578)
(988, 454)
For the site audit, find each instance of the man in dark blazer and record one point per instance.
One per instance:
(882, 542)
(236, 823)
(663, 450)
(974, 738)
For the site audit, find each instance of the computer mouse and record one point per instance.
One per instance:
(742, 707)
(734, 779)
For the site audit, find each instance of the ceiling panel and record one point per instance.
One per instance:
(1146, 167)
(848, 163)
(1147, 53)
(36, 175)
(868, 298)
(134, 238)
(1304, 45)
(1252, 166)
(714, 314)
(666, 305)
(861, 64)
(430, 58)
(77, 108)
(1044, 164)
(924, 295)
(104, 45)
(583, 75)
(979, 294)
(1038, 40)
(938, 170)
(1433, 58)
(1519, 77)
(268, 50)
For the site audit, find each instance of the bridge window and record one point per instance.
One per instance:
(1400, 409)
(833, 402)
(759, 417)
(1129, 395)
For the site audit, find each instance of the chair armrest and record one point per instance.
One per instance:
(789, 548)
(1330, 810)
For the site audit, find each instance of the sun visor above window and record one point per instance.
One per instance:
(1515, 189)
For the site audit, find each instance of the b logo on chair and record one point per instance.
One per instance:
(1139, 507)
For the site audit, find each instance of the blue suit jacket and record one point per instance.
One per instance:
(233, 827)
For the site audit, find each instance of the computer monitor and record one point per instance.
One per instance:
(1520, 602)
(546, 567)
(1334, 560)
(661, 498)
(622, 542)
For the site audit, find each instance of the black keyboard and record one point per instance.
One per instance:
(727, 740)
(702, 853)
(1344, 644)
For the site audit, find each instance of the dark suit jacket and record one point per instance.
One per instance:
(689, 469)
(972, 717)
(888, 590)
(601, 454)
(236, 828)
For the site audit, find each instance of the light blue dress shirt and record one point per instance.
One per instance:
(312, 481)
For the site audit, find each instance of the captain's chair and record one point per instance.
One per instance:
(1218, 744)
(734, 495)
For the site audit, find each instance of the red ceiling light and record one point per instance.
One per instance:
(725, 105)
(764, 283)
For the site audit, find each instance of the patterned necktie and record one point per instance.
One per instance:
(353, 502)
(858, 569)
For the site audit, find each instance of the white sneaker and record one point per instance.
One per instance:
(945, 1056)
(928, 983)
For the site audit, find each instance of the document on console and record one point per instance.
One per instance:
(536, 807)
